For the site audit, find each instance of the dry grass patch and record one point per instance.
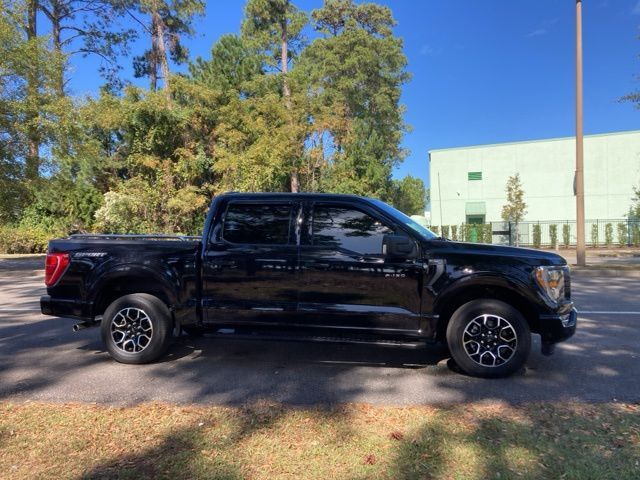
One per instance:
(271, 441)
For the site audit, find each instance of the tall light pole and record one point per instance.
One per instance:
(580, 246)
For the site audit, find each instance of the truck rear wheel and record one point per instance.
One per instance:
(488, 338)
(136, 328)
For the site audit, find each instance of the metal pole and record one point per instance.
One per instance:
(580, 244)
(440, 202)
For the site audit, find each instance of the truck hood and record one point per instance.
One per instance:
(519, 254)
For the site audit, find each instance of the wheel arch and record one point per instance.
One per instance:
(120, 284)
(480, 288)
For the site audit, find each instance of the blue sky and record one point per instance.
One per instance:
(485, 71)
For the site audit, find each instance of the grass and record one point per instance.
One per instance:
(270, 441)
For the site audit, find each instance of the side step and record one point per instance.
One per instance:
(298, 337)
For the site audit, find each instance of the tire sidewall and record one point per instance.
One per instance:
(461, 318)
(160, 318)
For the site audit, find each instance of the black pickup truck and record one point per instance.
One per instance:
(316, 267)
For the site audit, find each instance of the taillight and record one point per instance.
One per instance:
(54, 266)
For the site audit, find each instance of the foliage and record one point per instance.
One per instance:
(515, 209)
(553, 235)
(409, 195)
(623, 234)
(594, 235)
(537, 235)
(488, 233)
(635, 234)
(25, 239)
(435, 229)
(265, 108)
(566, 235)
(445, 231)
(454, 233)
(608, 234)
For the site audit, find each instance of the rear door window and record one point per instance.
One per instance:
(253, 223)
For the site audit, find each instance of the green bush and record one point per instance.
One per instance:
(608, 234)
(537, 235)
(488, 233)
(635, 235)
(622, 234)
(445, 231)
(24, 239)
(553, 235)
(435, 229)
(566, 235)
(454, 233)
(594, 235)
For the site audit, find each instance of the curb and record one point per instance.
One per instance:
(605, 272)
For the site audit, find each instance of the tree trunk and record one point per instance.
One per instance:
(33, 136)
(160, 50)
(56, 13)
(286, 92)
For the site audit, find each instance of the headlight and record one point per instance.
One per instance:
(551, 281)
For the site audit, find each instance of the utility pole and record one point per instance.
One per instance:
(580, 245)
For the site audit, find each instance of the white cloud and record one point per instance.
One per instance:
(545, 26)
(427, 49)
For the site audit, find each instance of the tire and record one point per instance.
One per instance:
(136, 328)
(488, 338)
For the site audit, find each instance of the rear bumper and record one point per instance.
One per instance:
(558, 327)
(58, 307)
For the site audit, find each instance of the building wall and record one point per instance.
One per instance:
(546, 167)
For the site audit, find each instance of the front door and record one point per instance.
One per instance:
(250, 267)
(347, 280)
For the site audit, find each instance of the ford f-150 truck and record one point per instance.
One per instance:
(317, 267)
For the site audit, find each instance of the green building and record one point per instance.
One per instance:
(468, 183)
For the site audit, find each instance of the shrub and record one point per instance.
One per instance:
(488, 233)
(20, 239)
(566, 235)
(537, 235)
(445, 231)
(594, 235)
(553, 235)
(465, 230)
(608, 234)
(622, 234)
(635, 235)
(435, 229)
(454, 233)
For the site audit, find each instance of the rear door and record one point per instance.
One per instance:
(250, 266)
(347, 280)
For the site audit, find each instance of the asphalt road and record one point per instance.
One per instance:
(42, 359)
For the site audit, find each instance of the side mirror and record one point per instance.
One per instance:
(398, 246)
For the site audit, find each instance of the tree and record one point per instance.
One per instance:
(515, 209)
(274, 27)
(233, 63)
(354, 72)
(409, 195)
(88, 27)
(165, 22)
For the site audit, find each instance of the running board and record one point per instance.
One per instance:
(357, 340)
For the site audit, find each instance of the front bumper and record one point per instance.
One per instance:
(58, 307)
(559, 326)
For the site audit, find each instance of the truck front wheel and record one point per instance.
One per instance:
(488, 338)
(136, 328)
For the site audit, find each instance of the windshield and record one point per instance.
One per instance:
(408, 221)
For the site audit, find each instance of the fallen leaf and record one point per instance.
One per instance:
(370, 459)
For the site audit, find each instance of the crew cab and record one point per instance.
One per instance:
(317, 267)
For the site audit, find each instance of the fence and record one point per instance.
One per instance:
(559, 233)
